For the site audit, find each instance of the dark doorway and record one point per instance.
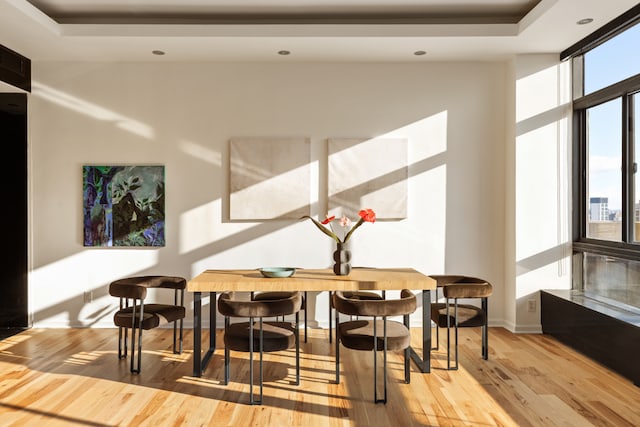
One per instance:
(14, 310)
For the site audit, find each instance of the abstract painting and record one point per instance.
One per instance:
(269, 178)
(123, 205)
(368, 173)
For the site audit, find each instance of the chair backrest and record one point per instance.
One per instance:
(125, 290)
(480, 289)
(406, 304)
(230, 307)
(136, 287)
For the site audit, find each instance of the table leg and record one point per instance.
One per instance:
(199, 364)
(212, 321)
(424, 363)
(197, 333)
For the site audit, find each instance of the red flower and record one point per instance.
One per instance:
(328, 220)
(368, 215)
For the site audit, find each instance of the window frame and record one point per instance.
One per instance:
(625, 89)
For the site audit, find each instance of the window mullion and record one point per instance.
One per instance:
(627, 134)
(627, 175)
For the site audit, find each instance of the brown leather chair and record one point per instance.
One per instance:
(361, 295)
(256, 333)
(376, 333)
(364, 295)
(134, 314)
(270, 295)
(451, 313)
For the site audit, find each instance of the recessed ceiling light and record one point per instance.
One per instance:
(419, 53)
(585, 21)
(283, 52)
(158, 52)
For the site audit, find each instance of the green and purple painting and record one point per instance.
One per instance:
(123, 205)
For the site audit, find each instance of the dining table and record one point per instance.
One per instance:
(359, 279)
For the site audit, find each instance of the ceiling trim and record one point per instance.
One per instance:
(290, 30)
(479, 27)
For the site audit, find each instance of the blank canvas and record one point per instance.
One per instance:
(368, 173)
(269, 178)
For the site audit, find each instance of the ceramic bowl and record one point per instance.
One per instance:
(277, 271)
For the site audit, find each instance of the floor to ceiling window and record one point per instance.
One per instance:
(606, 177)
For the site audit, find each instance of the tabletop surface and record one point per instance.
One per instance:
(311, 280)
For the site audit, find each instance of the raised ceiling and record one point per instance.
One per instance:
(311, 30)
(283, 11)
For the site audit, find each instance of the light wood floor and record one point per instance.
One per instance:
(72, 377)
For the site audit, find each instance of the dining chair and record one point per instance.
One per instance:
(375, 332)
(257, 333)
(452, 314)
(361, 295)
(270, 295)
(135, 314)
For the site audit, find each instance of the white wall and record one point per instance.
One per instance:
(182, 116)
(538, 193)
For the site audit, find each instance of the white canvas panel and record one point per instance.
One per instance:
(368, 173)
(269, 178)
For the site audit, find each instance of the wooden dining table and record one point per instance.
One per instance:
(369, 279)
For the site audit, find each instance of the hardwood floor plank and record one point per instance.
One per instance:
(72, 377)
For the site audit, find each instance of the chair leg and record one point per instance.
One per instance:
(175, 335)
(407, 354)
(305, 316)
(124, 342)
(337, 347)
(261, 358)
(251, 361)
(122, 354)
(133, 349)
(437, 347)
(298, 346)
(134, 369)
(456, 335)
(455, 315)
(227, 368)
(251, 401)
(375, 361)
(485, 329)
(139, 351)
(182, 335)
(175, 322)
(455, 327)
(384, 366)
(330, 316)
(485, 344)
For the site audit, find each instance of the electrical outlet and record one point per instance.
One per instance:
(88, 296)
(531, 305)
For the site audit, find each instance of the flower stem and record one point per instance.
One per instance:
(326, 231)
(358, 224)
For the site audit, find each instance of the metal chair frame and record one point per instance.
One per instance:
(304, 308)
(406, 351)
(123, 331)
(484, 305)
(227, 355)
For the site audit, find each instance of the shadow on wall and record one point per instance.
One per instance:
(79, 318)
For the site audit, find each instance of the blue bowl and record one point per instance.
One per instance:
(277, 271)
